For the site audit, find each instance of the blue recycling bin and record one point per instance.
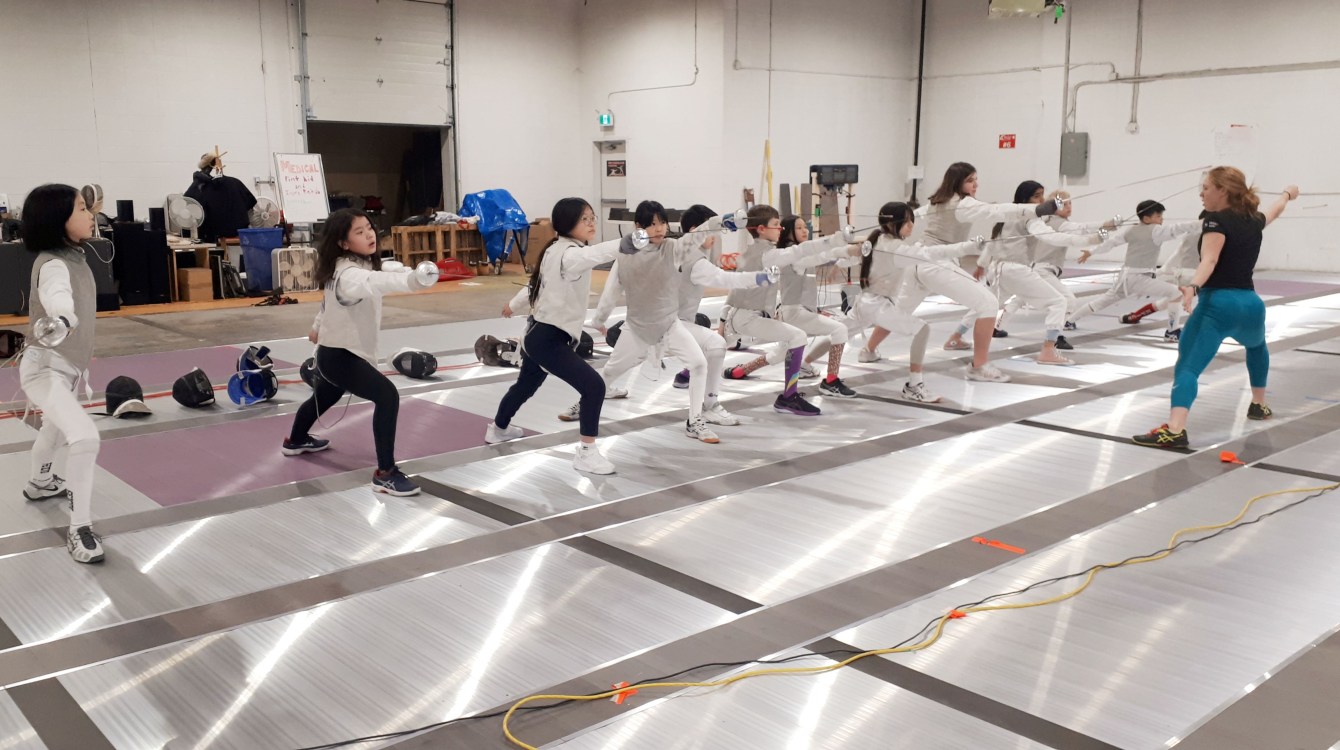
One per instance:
(257, 247)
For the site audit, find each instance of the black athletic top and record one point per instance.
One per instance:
(1242, 246)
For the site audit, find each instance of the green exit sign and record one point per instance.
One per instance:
(606, 119)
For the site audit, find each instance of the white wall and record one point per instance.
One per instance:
(518, 83)
(673, 127)
(129, 93)
(1295, 115)
(841, 92)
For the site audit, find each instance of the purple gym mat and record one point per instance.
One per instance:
(182, 466)
(153, 371)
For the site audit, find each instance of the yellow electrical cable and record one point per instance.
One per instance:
(923, 644)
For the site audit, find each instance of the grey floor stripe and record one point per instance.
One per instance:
(1331, 478)
(760, 633)
(966, 701)
(655, 571)
(58, 719)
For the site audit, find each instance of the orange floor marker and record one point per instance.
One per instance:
(622, 695)
(999, 545)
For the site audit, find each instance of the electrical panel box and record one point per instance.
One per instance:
(1074, 154)
(835, 174)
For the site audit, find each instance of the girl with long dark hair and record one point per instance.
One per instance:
(556, 299)
(345, 331)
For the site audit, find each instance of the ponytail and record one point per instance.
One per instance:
(567, 214)
(892, 216)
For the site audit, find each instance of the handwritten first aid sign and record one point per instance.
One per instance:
(300, 181)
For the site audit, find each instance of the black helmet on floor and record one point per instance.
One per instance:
(125, 398)
(193, 390)
(586, 346)
(413, 363)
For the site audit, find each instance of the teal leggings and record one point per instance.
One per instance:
(1221, 314)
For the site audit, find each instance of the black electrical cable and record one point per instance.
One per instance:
(834, 654)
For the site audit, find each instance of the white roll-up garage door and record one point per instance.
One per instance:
(379, 62)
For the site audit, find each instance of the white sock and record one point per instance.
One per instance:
(914, 378)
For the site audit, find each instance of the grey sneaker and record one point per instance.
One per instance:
(84, 545)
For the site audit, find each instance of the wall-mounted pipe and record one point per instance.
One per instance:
(1133, 126)
(921, 79)
(303, 78)
(692, 81)
(1205, 73)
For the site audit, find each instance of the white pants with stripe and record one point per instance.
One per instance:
(50, 383)
(1138, 283)
(680, 343)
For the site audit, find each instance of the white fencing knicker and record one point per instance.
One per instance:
(50, 384)
(763, 328)
(1138, 282)
(953, 282)
(679, 342)
(813, 323)
(1022, 282)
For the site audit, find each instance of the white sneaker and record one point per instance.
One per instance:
(573, 413)
(84, 545)
(493, 435)
(53, 487)
(589, 460)
(987, 373)
(868, 356)
(613, 393)
(807, 371)
(920, 393)
(698, 430)
(717, 414)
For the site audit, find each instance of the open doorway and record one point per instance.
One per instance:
(611, 167)
(390, 171)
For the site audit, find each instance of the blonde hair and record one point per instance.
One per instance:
(207, 161)
(1062, 194)
(1242, 199)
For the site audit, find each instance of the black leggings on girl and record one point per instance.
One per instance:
(343, 371)
(548, 349)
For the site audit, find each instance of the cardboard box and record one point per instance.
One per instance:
(195, 284)
(541, 232)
